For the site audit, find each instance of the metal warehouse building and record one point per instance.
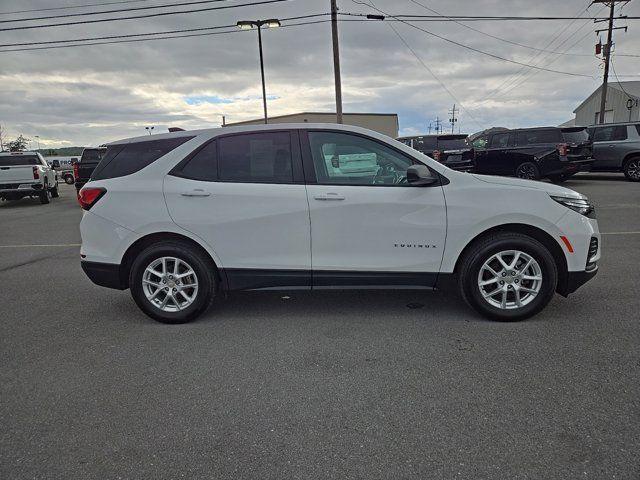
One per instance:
(622, 105)
(385, 123)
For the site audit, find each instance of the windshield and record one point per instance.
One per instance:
(15, 160)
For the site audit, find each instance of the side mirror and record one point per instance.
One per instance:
(420, 175)
(55, 164)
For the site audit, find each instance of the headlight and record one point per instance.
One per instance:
(580, 205)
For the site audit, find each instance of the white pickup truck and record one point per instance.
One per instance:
(26, 174)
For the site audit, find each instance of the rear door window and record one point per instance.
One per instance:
(255, 158)
(203, 165)
(610, 133)
(499, 140)
(125, 159)
(538, 137)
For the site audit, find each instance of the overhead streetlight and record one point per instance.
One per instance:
(148, 129)
(248, 25)
(38, 137)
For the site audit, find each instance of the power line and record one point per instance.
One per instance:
(135, 17)
(478, 18)
(495, 36)
(87, 5)
(442, 84)
(135, 40)
(482, 52)
(131, 35)
(117, 10)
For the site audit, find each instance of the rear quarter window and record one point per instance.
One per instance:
(538, 137)
(576, 136)
(125, 159)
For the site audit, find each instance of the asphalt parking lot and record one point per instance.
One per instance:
(373, 385)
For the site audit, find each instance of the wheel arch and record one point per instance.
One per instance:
(139, 245)
(533, 232)
(628, 157)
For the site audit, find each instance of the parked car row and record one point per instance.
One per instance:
(555, 153)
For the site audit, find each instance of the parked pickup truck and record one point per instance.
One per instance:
(26, 174)
(84, 167)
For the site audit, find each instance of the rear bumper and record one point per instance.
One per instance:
(575, 166)
(80, 183)
(104, 274)
(24, 188)
(461, 166)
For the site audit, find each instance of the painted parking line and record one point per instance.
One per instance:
(60, 245)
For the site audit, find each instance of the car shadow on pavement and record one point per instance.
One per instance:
(22, 203)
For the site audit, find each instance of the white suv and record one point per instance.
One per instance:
(179, 218)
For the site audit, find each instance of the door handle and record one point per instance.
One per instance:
(329, 196)
(195, 193)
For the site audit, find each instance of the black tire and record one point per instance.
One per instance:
(201, 264)
(631, 169)
(68, 179)
(55, 193)
(481, 251)
(528, 171)
(45, 194)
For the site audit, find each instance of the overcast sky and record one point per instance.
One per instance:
(94, 94)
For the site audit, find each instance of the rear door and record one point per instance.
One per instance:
(493, 160)
(369, 226)
(244, 195)
(607, 141)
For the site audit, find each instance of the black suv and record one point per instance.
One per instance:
(83, 168)
(451, 150)
(555, 153)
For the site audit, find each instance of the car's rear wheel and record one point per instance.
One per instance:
(528, 171)
(632, 169)
(508, 276)
(172, 282)
(55, 193)
(68, 179)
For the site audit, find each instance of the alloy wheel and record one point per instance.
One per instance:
(510, 279)
(527, 172)
(170, 284)
(633, 169)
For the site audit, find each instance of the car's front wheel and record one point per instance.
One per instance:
(172, 282)
(508, 276)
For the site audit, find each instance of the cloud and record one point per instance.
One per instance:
(94, 94)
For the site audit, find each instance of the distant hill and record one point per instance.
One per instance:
(61, 152)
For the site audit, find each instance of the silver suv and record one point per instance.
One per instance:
(616, 148)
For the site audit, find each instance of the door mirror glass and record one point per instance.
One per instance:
(419, 175)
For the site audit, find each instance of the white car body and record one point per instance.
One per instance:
(306, 235)
(24, 180)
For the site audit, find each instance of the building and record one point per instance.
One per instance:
(385, 123)
(623, 99)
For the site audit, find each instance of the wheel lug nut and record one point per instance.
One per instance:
(517, 281)
(501, 282)
(504, 274)
(166, 289)
(513, 273)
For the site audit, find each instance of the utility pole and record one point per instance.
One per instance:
(607, 58)
(438, 125)
(430, 127)
(336, 60)
(453, 119)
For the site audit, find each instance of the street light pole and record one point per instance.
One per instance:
(270, 23)
(264, 89)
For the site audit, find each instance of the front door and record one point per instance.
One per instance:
(244, 195)
(369, 227)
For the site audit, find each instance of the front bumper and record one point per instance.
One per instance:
(575, 280)
(104, 274)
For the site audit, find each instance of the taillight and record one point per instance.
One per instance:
(89, 196)
(76, 170)
(436, 155)
(562, 149)
(36, 174)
